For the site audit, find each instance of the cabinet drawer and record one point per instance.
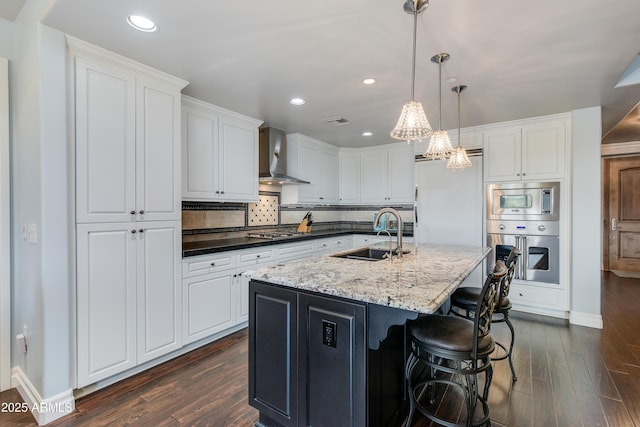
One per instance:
(252, 257)
(534, 296)
(296, 250)
(335, 244)
(207, 264)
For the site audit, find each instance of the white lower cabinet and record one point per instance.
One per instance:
(127, 296)
(207, 304)
(215, 291)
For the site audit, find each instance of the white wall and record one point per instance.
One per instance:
(40, 191)
(6, 39)
(586, 218)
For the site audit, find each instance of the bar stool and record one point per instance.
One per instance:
(459, 347)
(464, 300)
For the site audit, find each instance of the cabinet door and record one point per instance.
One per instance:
(273, 357)
(207, 305)
(543, 150)
(105, 143)
(242, 297)
(237, 161)
(199, 133)
(158, 283)
(349, 174)
(106, 293)
(502, 154)
(332, 362)
(308, 170)
(374, 176)
(400, 182)
(328, 177)
(158, 152)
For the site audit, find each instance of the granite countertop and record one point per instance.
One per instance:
(220, 245)
(421, 281)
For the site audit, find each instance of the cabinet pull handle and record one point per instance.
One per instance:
(141, 211)
(132, 212)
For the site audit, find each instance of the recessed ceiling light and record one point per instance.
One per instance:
(452, 80)
(367, 133)
(297, 101)
(369, 81)
(142, 24)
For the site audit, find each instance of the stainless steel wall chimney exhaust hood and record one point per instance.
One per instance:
(272, 151)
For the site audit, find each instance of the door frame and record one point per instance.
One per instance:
(5, 231)
(610, 152)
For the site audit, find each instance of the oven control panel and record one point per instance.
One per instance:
(531, 228)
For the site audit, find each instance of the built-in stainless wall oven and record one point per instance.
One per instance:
(525, 215)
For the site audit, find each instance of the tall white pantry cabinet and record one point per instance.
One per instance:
(128, 212)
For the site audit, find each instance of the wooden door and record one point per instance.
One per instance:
(624, 214)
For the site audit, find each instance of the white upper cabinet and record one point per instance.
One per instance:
(127, 139)
(313, 161)
(219, 153)
(530, 151)
(387, 174)
(349, 174)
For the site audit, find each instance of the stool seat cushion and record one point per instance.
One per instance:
(468, 297)
(447, 333)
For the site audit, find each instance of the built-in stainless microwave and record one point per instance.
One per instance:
(537, 201)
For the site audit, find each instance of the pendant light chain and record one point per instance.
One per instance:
(415, 36)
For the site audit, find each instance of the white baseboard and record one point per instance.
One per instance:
(561, 314)
(586, 319)
(43, 410)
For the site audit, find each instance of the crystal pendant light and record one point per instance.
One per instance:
(440, 145)
(413, 124)
(459, 159)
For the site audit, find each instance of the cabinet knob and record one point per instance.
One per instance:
(521, 294)
(321, 198)
(222, 192)
(132, 212)
(258, 256)
(141, 211)
(524, 173)
(133, 231)
(217, 192)
(141, 230)
(213, 264)
(518, 174)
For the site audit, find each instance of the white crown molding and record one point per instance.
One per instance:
(81, 48)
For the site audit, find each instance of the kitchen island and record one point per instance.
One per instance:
(327, 335)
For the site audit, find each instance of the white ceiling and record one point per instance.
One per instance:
(519, 58)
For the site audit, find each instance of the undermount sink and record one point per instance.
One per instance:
(366, 254)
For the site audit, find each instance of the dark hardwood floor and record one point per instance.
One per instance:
(567, 376)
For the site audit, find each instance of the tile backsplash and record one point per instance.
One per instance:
(212, 220)
(264, 213)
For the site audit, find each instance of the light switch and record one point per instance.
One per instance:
(32, 233)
